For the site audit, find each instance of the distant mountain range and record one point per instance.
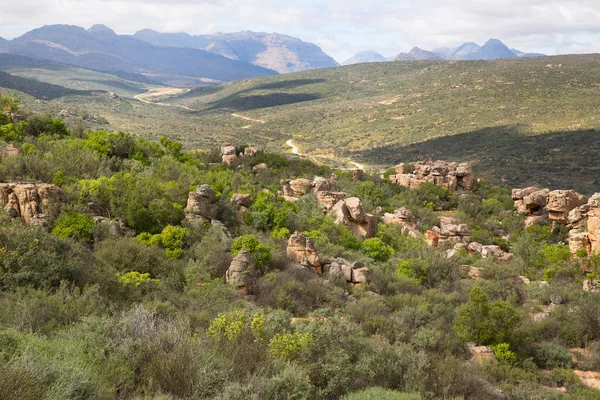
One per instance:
(492, 50)
(277, 52)
(101, 49)
(365, 57)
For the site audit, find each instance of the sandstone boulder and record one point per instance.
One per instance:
(593, 223)
(402, 216)
(327, 200)
(228, 153)
(33, 203)
(579, 240)
(341, 267)
(241, 199)
(591, 286)
(201, 204)
(260, 167)
(302, 250)
(300, 187)
(536, 200)
(242, 272)
(561, 202)
(360, 275)
(519, 194)
(320, 184)
(432, 238)
(452, 229)
(480, 354)
(351, 213)
(251, 151)
(440, 173)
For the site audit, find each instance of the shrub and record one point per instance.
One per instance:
(291, 383)
(74, 225)
(288, 346)
(551, 356)
(381, 394)
(503, 353)
(260, 252)
(377, 250)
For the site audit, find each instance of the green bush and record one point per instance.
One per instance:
(74, 225)
(551, 356)
(377, 250)
(260, 252)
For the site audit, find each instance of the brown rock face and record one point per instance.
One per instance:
(351, 213)
(31, 202)
(302, 250)
(401, 216)
(440, 173)
(452, 229)
(355, 273)
(242, 272)
(561, 202)
(200, 205)
(329, 199)
(594, 229)
(241, 199)
(228, 153)
(579, 240)
(300, 187)
(432, 238)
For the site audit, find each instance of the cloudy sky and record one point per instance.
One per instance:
(340, 27)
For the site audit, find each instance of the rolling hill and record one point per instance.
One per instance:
(523, 121)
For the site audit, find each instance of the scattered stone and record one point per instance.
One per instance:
(480, 353)
(241, 199)
(475, 272)
(302, 250)
(591, 285)
(251, 151)
(260, 167)
(242, 272)
(452, 229)
(402, 216)
(432, 238)
(579, 240)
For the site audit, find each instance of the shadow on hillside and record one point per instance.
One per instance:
(559, 160)
(285, 84)
(247, 103)
(37, 89)
(112, 83)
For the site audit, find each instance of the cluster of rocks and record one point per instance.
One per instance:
(564, 207)
(449, 175)
(351, 213)
(201, 205)
(485, 251)
(405, 218)
(9, 151)
(355, 273)
(543, 204)
(229, 153)
(302, 186)
(33, 203)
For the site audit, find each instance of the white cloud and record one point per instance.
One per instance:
(341, 27)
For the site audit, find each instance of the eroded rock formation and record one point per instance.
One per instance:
(449, 175)
(242, 272)
(201, 205)
(33, 203)
(404, 218)
(355, 273)
(302, 250)
(350, 212)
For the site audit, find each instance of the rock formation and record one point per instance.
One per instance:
(242, 272)
(561, 202)
(449, 175)
(9, 151)
(31, 202)
(302, 250)
(355, 273)
(451, 229)
(302, 186)
(585, 221)
(228, 153)
(201, 205)
(404, 218)
(241, 202)
(327, 200)
(559, 206)
(351, 213)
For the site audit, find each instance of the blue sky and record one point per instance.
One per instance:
(340, 27)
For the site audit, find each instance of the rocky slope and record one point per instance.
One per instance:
(281, 53)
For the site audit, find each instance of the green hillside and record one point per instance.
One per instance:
(522, 121)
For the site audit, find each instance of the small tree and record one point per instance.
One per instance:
(260, 252)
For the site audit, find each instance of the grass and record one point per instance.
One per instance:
(524, 120)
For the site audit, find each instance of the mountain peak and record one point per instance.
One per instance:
(99, 28)
(365, 57)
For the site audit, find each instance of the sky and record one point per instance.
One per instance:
(340, 27)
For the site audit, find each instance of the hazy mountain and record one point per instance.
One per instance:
(524, 55)
(101, 49)
(418, 54)
(365, 57)
(492, 50)
(464, 51)
(269, 50)
(444, 52)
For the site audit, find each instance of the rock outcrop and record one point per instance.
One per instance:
(9, 151)
(242, 272)
(404, 218)
(561, 203)
(327, 200)
(201, 205)
(228, 153)
(451, 229)
(302, 250)
(449, 175)
(33, 203)
(559, 206)
(302, 186)
(354, 273)
(585, 221)
(351, 213)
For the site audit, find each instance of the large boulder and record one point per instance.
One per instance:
(201, 204)
(242, 272)
(579, 240)
(519, 194)
(351, 213)
(33, 203)
(561, 202)
(402, 216)
(228, 153)
(536, 200)
(327, 200)
(302, 250)
(593, 224)
(300, 187)
(452, 229)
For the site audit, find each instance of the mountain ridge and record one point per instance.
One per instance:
(365, 57)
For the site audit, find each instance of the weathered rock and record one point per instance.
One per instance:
(300, 187)
(451, 228)
(251, 151)
(432, 238)
(533, 219)
(351, 213)
(591, 286)
(480, 353)
(200, 205)
(109, 227)
(320, 184)
(329, 199)
(475, 247)
(536, 200)
(475, 273)
(440, 173)
(241, 199)
(402, 216)
(358, 174)
(593, 223)
(360, 275)
(31, 202)
(228, 153)
(492, 251)
(342, 267)
(242, 272)
(561, 202)
(302, 250)
(579, 240)
(519, 194)
(259, 167)
(9, 151)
